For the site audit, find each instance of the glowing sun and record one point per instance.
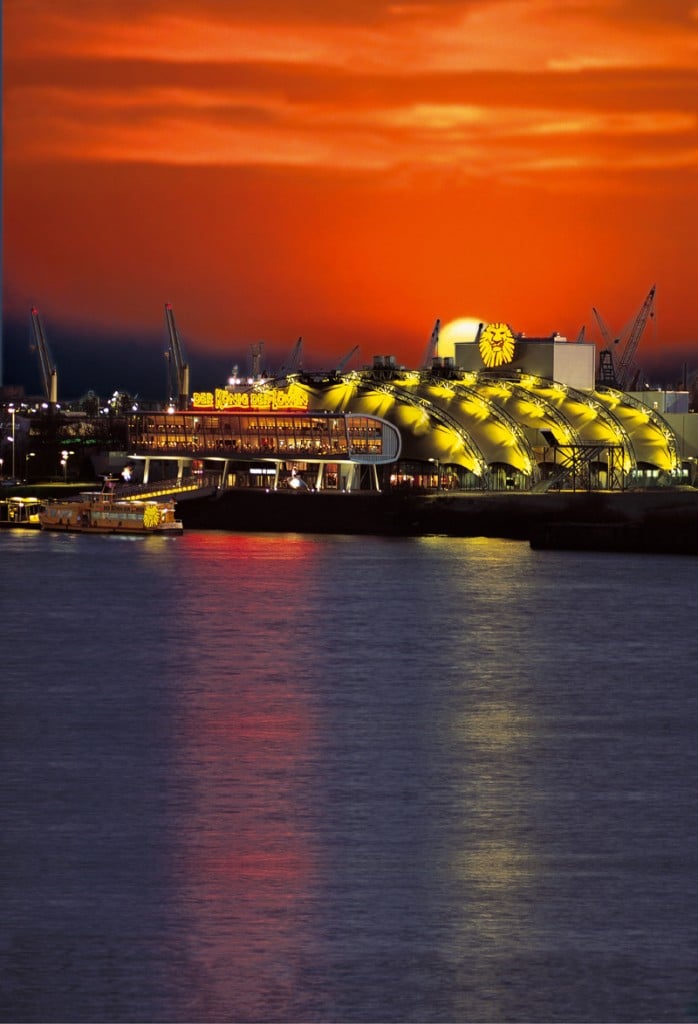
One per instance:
(465, 328)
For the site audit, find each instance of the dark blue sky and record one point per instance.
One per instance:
(95, 360)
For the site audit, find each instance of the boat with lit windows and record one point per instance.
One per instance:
(103, 512)
(20, 513)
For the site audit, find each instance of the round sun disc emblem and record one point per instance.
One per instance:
(497, 345)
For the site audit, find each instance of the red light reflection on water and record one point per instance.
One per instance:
(251, 799)
(232, 546)
(246, 861)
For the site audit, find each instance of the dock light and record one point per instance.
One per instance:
(297, 482)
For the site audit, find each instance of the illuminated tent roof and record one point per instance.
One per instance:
(480, 420)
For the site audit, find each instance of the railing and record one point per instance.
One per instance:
(190, 485)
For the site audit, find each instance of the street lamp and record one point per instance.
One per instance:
(65, 455)
(29, 455)
(438, 473)
(13, 439)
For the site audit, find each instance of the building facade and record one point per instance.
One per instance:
(505, 413)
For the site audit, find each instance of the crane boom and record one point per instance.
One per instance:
(432, 347)
(606, 375)
(345, 359)
(626, 370)
(181, 368)
(49, 375)
(605, 333)
(256, 351)
(294, 362)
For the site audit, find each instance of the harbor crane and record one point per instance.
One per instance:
(623, 373)
(627, 369)
(49, 375)
(345, 360)
(432, 347)
(295, 360)
(256, 351)
(310, 376)
(181, 369)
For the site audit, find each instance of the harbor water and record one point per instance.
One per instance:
(302, 778)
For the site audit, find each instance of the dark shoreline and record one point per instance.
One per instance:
(661, 521)
(657, 521)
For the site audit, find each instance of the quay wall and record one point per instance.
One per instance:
(663, 516)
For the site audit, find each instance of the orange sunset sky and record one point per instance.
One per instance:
(347, 171)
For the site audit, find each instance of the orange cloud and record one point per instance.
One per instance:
(417, 85)
(359, 155)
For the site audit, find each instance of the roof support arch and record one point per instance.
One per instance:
(568, 432)
(440, 416)
(462, 388)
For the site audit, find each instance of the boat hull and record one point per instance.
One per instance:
(99, 514)
(109, 528)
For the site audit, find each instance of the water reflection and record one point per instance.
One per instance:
(496, 870)
(296, 778)
(246, 858)
(345, 817)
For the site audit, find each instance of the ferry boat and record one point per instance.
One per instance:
(102, 512)
(20, 513)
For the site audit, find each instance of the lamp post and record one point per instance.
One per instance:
(438, 473)
(13, 439)
(65, 455)
(29, 455)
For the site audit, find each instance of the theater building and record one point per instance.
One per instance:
(505, 413)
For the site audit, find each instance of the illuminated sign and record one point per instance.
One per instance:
(151, 516)
(497, 345)
(291, 397)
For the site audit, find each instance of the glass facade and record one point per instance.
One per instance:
(253, 435)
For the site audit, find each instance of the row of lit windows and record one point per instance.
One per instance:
(237, 423)
(321, 435)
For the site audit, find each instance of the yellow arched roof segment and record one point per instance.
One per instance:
(479, 420)
(652, 439)
(531, 410)
(498, 436)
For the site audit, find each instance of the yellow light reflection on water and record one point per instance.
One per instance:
(496, 868)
